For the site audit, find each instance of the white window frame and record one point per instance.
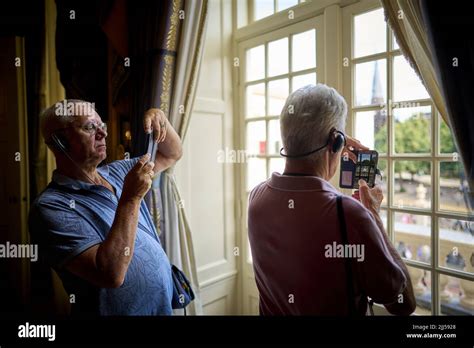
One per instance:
(435, 158)
(251, 9)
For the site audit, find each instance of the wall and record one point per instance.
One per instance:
(206, 186)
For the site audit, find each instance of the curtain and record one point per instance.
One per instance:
(178, 236)
(166, 48)
(430, 43)
(404, 17)
(452, 45)
(48, 294)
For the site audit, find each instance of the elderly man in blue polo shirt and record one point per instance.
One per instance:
(91, 222)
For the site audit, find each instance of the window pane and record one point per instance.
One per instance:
(371, 129)
(255, 63)
(304, 50)
(303, 80)
(278, 57)
(277, 165)
(277, 94)
(446, 142)
(255, 100)
(456, 244)
(383, 217)
(412, 184)
(370, 33)
(256, 138)
(382, 165)
(406, 84)
(456, 295)
(263, 8)
(274, 137)
(256, 172)
(413, 236)
(421, 281)
(371, 83)
(284, 4)
(413, 129)
(453, 187)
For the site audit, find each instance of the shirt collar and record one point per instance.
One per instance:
(78, 184)
(300, 183)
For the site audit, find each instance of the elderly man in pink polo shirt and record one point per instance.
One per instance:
(299, 257)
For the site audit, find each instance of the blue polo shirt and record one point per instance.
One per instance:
(71, 216)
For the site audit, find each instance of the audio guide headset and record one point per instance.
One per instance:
(336, 138)
(60, 142)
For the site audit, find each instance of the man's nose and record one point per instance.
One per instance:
(101, 133)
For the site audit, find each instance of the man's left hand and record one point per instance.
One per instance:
(351, 145)
(155, 121)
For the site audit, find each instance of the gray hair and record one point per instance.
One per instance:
(61, 115)
(308, 116)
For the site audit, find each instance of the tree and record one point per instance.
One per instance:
(410, 137)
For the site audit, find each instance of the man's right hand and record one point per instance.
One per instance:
(138, 180)
(371, 198)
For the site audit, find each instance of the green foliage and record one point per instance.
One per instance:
(448, 169)
(413, 136)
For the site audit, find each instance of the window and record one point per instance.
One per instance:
(265, 8)
(424, 209)
(275, 64)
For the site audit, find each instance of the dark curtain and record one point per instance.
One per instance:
(81, 51)
(26, 19)
(154, 29)
(153, 35)
(452, 44)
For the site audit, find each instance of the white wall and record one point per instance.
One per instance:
(207, 186)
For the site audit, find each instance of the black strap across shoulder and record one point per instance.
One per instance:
(347, 260)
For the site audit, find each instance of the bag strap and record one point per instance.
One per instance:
(347, 260)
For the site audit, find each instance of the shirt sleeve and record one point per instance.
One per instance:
(379, 275)
(60, 232)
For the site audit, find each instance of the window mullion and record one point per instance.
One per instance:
(390, 166)
(434, 225)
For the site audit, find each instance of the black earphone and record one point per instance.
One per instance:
(60, 142)
(338, 143)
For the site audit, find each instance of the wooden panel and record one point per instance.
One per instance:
(206, 202)
(216, 307)
(206, 186)
(220, 297)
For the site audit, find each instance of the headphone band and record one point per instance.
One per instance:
(315, 150)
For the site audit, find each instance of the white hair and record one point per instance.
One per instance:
(308, 116)
(61, 115)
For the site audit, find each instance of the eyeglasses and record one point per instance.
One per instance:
(90, 127)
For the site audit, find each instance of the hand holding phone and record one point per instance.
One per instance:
(371, 198)
(364, 168)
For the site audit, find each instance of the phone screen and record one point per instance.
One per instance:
(365, 168)
(152, 147)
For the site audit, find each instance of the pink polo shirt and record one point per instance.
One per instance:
(294, 236)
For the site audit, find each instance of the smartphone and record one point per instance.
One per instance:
(365, 168)
(152, 147)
